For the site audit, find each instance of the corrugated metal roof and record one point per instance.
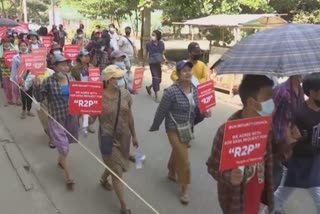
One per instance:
(226, 20)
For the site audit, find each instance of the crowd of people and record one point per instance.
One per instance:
(291, 155)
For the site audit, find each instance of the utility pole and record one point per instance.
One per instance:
(53, 12)
(25, 15)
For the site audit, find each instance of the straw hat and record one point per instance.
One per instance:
(112, 71)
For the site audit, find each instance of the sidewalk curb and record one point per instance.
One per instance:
(42, 204)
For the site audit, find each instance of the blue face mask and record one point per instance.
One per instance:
(267, 108)
(120, 65)
(120, 83)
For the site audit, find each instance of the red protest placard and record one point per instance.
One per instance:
(85, 97)
(46, 41)
(21, 69)
(94, 74)
(71, 51)
(206, 95)
(8, 55)
(40, 51)
(244, 142)
(137, 78)
(35, 63)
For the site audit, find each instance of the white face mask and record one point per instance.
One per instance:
(57, 52)
(267, 108)
(112, 30)
(120, 65)
(153, 38)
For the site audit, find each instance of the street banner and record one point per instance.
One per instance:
(244, 142)
(85, 97)
(35, 63)
(46, 41)
(8, 55)
(206, 95)
(71, 51)
(94, 74)
(137, 78)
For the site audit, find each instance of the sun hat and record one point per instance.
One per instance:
(112, 71)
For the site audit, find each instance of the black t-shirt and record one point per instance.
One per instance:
(308, 122)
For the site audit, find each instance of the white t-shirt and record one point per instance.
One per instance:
(126, 47)
(114, 41)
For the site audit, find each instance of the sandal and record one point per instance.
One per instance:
(184, 199)
(70, 184)
(106, 185)
(148, 90)
(51, 146)
(125, 211)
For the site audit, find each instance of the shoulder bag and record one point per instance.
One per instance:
(184, 129)
(106, 141)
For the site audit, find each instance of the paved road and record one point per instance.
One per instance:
(150, 182)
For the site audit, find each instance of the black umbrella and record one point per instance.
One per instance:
(4, 22)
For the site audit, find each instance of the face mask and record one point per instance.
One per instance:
(153, 38)
(80, 36)
(120, 83)
(61, 75)
(112, 30)
(267, 108)
(196, 57)
(120, 65)
(56, 52)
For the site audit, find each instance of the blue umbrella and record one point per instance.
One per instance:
(288, 50)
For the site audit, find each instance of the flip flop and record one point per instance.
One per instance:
(70, 184)
(125, 211)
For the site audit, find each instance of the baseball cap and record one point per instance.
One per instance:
(194, 48)
(181, 64)
(59, 58)
(112, 71)
(117, 54)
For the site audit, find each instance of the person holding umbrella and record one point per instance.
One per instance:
(288, 97)
(303, 168)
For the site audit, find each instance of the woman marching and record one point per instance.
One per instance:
(81, 73)
(23, 49)
(179, 108)
(116, 130)
(155, 55)
(56, 90)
